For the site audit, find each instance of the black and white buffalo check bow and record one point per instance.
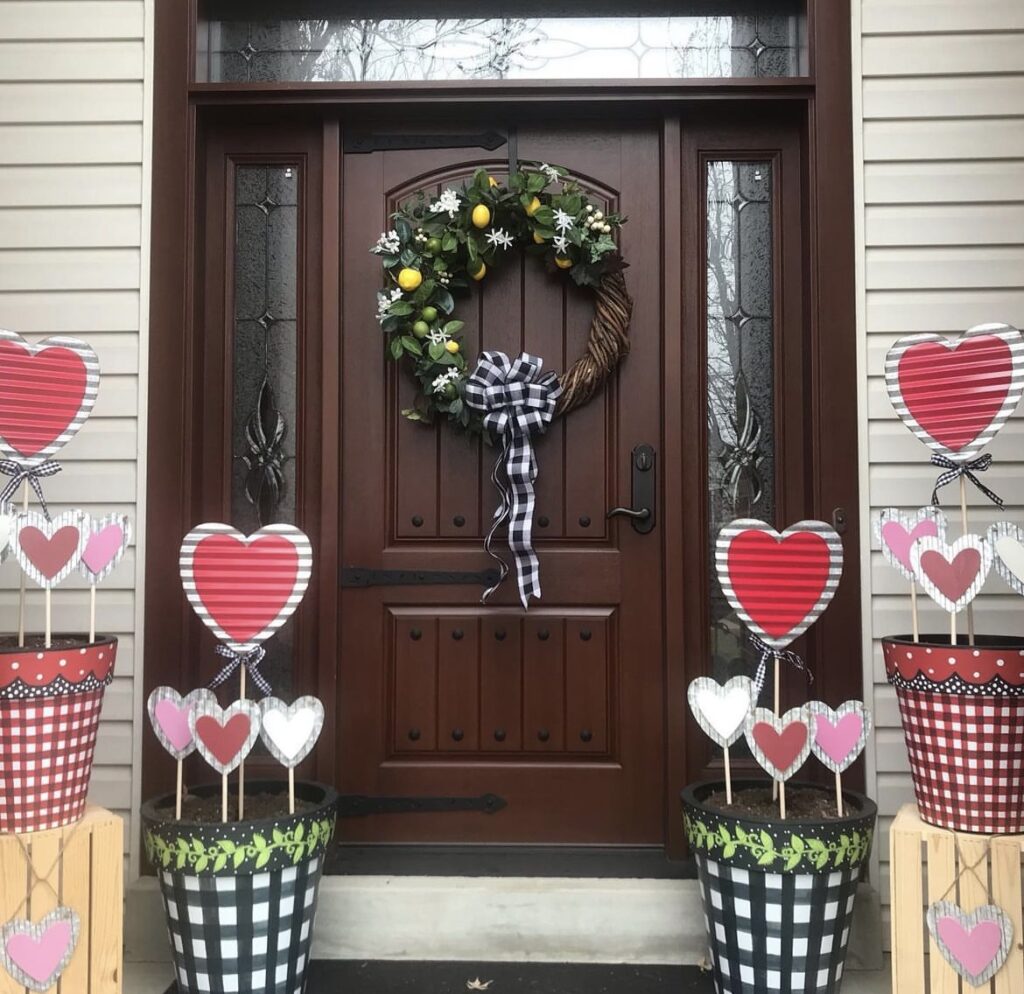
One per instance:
(516, 400)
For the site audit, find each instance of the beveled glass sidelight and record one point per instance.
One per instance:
(389, 41)
(740, 278)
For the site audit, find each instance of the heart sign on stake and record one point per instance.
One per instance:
(897, 530)
(778, 584)
(105, 545)
(780, 745)
(245, 588)
(952, 575)
(289, 731)
(36, 954)
(1007, 541)
(47, 392)
(48, 551)
(224, 736)
(838, 737)
(975, 945)
(955, 395)
(721, 710)
(168, 713)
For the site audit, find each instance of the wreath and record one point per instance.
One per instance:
(438, 248)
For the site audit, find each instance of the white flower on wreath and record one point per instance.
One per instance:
(448, 203)
(561, 243)
(452, 376)
(388, 244)
(499, 236)
(563, 221)
(438, 336)
(552, 174)
(385, 300)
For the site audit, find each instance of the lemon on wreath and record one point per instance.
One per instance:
(563, 262)
(533, 206)
(492, 182)
(480, 272)
(451, 346)
(481, 216)
(409, 279)
(538, 238)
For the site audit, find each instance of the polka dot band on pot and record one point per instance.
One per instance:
(64, 669)
(992, 665)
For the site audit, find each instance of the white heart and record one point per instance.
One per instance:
(290, 734)
(1011, 552)
(721, 709)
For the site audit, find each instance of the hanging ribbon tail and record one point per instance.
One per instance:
(767, 652)
(32, 474)
(516, 401)
(954, 470)
(250, 660)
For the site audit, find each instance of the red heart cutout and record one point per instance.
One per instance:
(781, 748)
(952, 579)
(955, 393)
(778, 582)
(223, 741)
(244, 587)
(49, 555)
(40, 394)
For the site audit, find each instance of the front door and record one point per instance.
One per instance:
(559, 711)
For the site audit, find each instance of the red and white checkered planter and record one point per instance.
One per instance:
(963, 719)
(50, 702)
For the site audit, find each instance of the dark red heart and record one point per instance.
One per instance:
(954, 394)
(223, 741)
(245, 587)
(781, 748)
(40, 394)
(49, 555)
(952, 579)
(778, 582)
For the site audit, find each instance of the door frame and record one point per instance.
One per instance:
(182, 109)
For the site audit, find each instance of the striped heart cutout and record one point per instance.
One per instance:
(955, 394)
(778, 584)
(47, 392)
(245, 587)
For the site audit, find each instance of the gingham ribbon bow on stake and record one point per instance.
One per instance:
(954, 470)
(17, 472)
(768, 653)
(250, 660)
(516, 401)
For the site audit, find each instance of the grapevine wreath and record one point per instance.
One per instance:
(438, 248)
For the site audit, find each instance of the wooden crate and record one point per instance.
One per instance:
(89, 879)
(923, 865)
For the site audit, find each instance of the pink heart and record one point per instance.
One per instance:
(839, 740)
(974, 949)
(102, 547)
(41, 957)
(174, 722)
(899, 540)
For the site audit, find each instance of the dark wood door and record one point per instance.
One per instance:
(559, 711)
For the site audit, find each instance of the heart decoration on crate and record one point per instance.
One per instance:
(955, 394)
(35, 954)
(245, 587)
(778, 584)
(224, 736)
(1007, 541)
(289, 731)
(48, 391)
(897, 530)
(721, 709)
(168, 714)
(105, 545)
(838, 736)
(48, 551)
(952, 575)
(975, 945)
(781, 745)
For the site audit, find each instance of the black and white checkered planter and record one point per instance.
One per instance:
(778, 897)
(240, 898)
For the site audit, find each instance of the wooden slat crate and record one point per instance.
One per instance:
(924, 863)
(88, 879)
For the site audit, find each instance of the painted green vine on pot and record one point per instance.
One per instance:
(850, 848)
(299, 843)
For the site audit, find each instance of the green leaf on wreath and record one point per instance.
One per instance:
(403, 228)
(454, 327)
(435, 350)
(401, 308)
(397, 350)
(411, 345)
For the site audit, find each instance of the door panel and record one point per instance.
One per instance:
(559, 711)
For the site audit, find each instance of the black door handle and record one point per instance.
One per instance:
(641, 514)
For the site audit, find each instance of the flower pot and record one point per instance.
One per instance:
(50, 702)
(240, 897)
(778, 896)
(962, 709)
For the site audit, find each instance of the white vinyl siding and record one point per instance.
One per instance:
(939, 122)
(73, 259)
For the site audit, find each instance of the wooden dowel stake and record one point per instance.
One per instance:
(224, 798)
(952, 627)
(49, 617)
(728, 776)
(92, 612)
(777, 709)
(241, 765)
(291, 786)
(782, 800)
(839, 796)
(964, 526)
(177, 795)
(21, 585)
(913, 610)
